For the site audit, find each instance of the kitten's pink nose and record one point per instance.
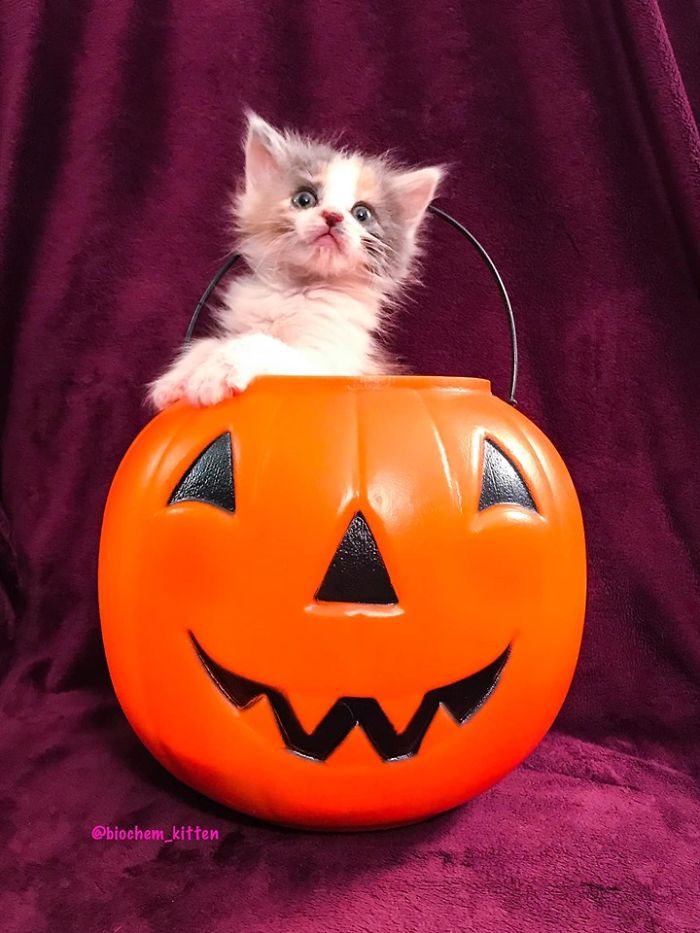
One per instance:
(332, 218)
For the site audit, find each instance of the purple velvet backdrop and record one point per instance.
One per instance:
(576, 158)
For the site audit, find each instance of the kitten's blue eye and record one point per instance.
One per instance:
(361, 213)
(304, 199)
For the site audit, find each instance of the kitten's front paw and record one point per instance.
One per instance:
(235, 363)
(212, 370)
(165, 391)
(181, 380)
(215, 380)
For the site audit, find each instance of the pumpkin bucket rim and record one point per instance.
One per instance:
(371, 383)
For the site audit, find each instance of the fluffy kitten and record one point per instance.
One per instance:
(329, 236)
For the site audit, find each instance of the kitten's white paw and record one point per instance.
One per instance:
(174, 383)
(165, 391)
(212, 370)
(235, 363)
(216, 379)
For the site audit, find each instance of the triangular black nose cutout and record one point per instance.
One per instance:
(357, 573)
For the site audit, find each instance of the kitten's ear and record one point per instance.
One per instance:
(416, 190)
(264, 151)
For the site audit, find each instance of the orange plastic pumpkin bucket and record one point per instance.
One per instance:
(342, 603)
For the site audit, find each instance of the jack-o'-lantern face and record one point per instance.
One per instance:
(339, 602)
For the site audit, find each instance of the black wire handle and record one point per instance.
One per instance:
(489, 263)
(443, 215)
(229, 264)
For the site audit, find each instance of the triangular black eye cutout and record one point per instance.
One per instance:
(210, 478)
(501, 481)
(357, 573)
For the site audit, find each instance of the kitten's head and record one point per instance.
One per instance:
(312, 213)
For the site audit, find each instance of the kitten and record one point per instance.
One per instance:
(329, 236)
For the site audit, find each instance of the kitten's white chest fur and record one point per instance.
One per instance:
(334, 325)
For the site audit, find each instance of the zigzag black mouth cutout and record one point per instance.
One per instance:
(461, 699)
